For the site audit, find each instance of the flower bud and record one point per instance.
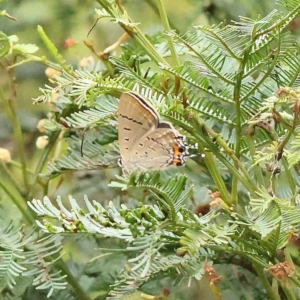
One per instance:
(41, 125)
(51, 73)
(42, 141)
(5, 155)
(86, 61)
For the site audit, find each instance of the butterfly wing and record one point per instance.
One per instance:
(135, 118)
(158, 149)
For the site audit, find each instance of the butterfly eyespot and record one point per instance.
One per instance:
(181, 149)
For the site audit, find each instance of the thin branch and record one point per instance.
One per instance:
(167, 28)
(272, 294)
(10, 110)
(238, 127)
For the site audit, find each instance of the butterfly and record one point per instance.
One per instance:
(146, 143)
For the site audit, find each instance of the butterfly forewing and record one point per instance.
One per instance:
(134, 120)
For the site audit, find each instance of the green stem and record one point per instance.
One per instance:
(18, 202)
(53, 50)
(204, 61)
(79, 291)
(19, 166)
(288, 293)
(289, 175)
(136, 33)
(156, 11)
(235, 172)
(230, 152)
(5, 171)
(215, 173)
(167, 28)
(44, 158)
(200, 133)
(286, 139)
(12, 115)
(238, 127)
(272, 294)
(257, 169)
(265, 76)
(42, 60)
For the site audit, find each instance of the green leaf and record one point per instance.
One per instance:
(4, 44)
(25, 48)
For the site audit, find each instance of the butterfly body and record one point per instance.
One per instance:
(145, 142)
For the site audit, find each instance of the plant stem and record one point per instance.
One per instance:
(167, 28)
(155, 9)
(79, 291)
(230, 152)
(209, 161)
(53, 50)
(17, 201)
(270, 291)
(19, 166)
(135, 32)
(238, 120)
(44, 61)
(289, 175)
(5, 171)
(10, 110)
(196, 128)
(288, 293)
(257, 169)
(43, 159)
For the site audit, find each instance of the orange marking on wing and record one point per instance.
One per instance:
(177, 160)
(177, 150)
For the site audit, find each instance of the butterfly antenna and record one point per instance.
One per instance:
(81, 146)
(93, 27)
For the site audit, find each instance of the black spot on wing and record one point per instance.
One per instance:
(130, 119)
(164, 125)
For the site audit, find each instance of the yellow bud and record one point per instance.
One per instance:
(40, 126)
(54, 97)
(86, 61)
(5, 155)
(52, 101)
(51, 73)
(42, 142)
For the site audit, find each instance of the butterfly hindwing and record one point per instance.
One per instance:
(155, 150)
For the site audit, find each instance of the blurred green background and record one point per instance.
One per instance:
(73, 19)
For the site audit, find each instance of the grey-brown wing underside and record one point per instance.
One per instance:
(157, 149)
(135, 118)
